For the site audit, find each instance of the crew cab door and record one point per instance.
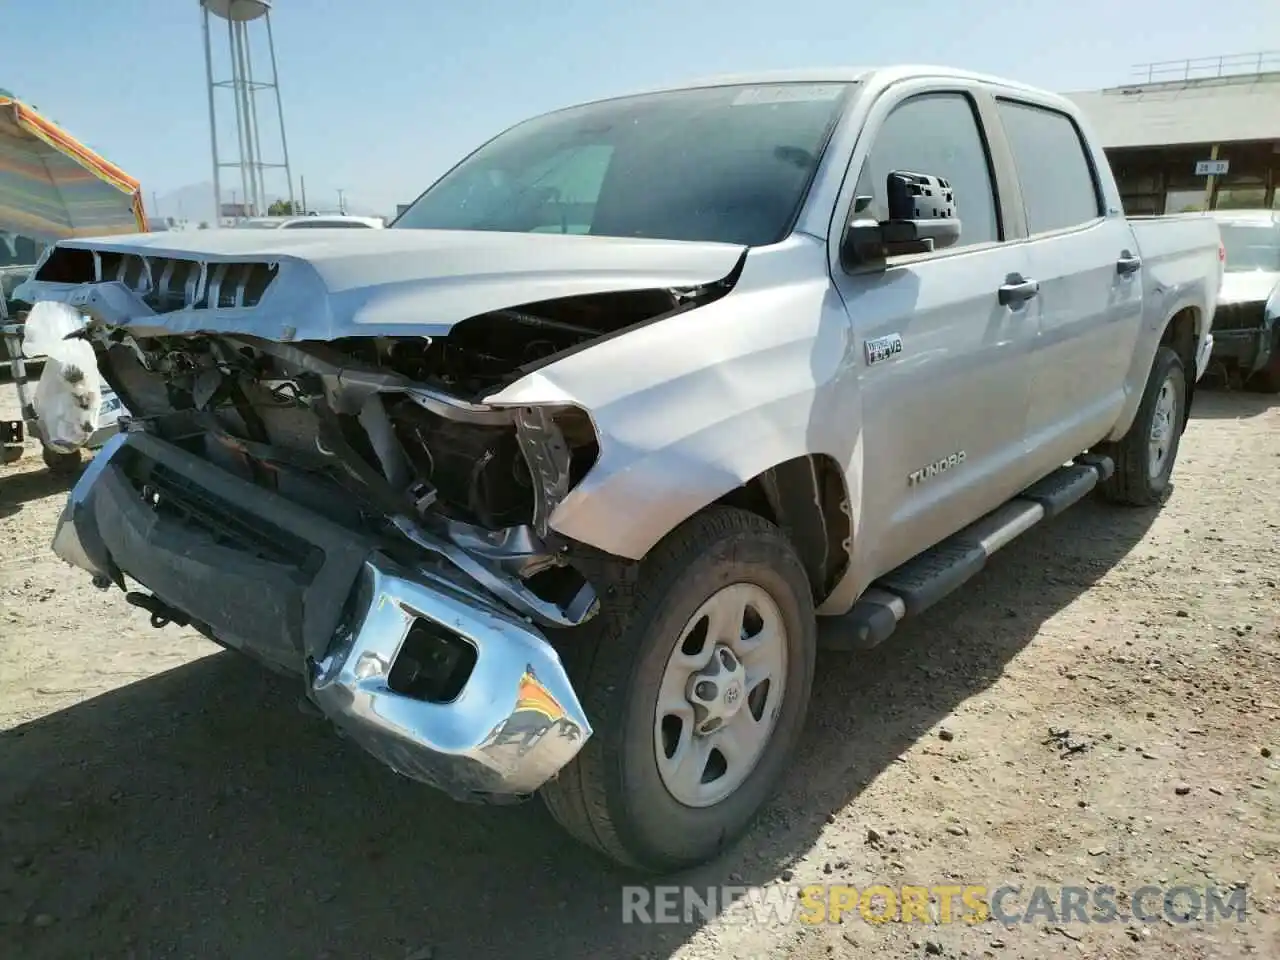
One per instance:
(952, 401)
(1089, 271)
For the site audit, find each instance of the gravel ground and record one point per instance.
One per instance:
(1100, 706)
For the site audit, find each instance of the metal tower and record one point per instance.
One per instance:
(240, 16)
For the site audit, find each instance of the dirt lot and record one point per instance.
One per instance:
(159, 798)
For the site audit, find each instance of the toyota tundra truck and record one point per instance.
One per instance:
(556, 485)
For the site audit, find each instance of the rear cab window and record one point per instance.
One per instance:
(1060, 187)
(1251, 246)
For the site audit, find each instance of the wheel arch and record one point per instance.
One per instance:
(1182, 334)
(807, 498)
(805, 495)
(1180, 330)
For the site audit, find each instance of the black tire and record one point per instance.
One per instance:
(1267, 380)
(1133, 482)
(61, 464)
(612, 797)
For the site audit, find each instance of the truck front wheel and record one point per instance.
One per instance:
(1144, 456)
(697, 684)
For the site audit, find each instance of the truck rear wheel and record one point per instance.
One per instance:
(1144, 456)
(697, 684)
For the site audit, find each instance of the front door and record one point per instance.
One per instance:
(943, 416)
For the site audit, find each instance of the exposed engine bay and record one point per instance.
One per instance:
(388, 436)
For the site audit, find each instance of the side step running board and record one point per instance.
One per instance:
(925, 579)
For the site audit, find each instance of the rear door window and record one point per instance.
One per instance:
(1059, 188)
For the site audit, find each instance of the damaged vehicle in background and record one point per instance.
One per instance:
(548, 486)
(1247, 323)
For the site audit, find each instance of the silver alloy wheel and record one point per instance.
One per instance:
(1160, 440)
(720, 695)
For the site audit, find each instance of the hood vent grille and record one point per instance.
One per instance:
(165, 284)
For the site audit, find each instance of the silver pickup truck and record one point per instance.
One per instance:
(556, 485)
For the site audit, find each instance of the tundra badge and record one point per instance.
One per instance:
(932, 470)
(882, 348)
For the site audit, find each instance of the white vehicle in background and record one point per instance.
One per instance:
(1246, 325)
(314, 222)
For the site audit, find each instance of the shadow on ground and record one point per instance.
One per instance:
(1218, 402)
(199, 813)
(28, 480)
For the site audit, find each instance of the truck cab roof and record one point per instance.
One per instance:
(878, 77)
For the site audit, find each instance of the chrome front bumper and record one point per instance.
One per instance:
(503, 718)
(513, 726)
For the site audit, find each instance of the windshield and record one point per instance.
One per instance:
(1251, 247)
(728, 164)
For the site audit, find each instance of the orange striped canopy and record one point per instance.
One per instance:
(53, 187)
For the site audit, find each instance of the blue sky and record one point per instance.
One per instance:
(382, 96)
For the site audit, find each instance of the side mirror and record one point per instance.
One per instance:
(922, 218)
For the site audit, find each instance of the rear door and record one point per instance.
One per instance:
(943, 416)
(1087, 265)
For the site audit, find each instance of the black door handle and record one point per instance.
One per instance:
(1017, 289)
(1128, 264)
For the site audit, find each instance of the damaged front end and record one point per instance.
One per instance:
(350, 509)
(424, 670)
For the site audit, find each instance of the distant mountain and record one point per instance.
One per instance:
(192, 203)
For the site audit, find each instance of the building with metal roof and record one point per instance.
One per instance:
(1199, 134)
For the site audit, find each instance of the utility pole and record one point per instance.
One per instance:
(303, 182)
(342, 208)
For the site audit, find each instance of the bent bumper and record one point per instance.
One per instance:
(514, 725)
(433, 678)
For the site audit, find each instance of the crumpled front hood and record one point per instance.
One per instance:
(397, 282)
(1248, 286)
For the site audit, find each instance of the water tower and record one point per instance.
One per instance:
(244, 20)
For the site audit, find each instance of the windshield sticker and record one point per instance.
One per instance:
(789, 93)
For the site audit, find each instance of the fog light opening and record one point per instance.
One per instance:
(433, 664)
